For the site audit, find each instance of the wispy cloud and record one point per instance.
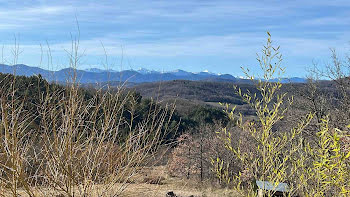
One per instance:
(18, 18)
(242, 45)
(196, 31)
(329, 21)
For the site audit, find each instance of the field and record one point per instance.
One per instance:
(155, 182)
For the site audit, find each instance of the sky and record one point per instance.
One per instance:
(193, 35)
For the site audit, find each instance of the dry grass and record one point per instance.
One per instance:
(180, 186)
(136, 187)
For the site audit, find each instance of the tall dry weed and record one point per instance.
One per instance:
(81, 146)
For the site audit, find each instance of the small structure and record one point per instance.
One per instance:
(278, 190)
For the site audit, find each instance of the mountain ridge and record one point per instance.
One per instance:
(96, 75)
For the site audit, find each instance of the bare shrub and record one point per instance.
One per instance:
(192, 157)
(82, 146)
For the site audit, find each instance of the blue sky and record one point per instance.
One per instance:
(219, 36)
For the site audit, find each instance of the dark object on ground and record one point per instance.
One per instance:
(170, 194)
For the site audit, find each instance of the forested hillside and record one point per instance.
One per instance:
(31, 91)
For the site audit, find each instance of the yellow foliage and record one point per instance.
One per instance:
(277, 155)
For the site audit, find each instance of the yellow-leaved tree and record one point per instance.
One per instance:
(276, 154)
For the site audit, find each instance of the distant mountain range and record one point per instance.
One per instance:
(96, 75)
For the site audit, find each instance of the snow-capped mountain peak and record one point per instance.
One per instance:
(93, 75)
(98, 70)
